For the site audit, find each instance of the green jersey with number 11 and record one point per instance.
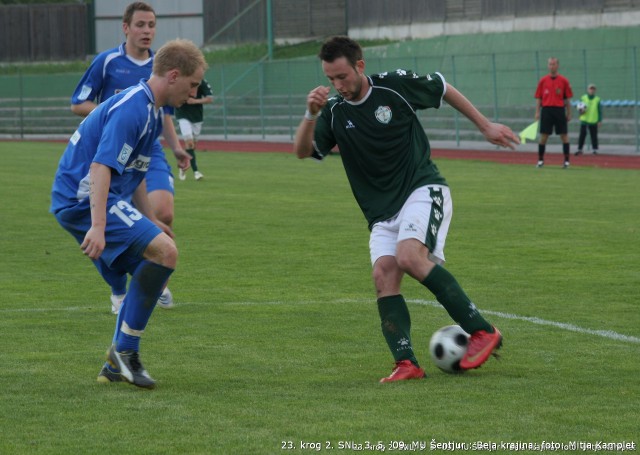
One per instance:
(384, 149)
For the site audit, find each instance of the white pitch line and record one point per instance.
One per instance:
(535, 320)
(45, 310)
(610, 334)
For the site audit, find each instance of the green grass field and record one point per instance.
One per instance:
(275, 340)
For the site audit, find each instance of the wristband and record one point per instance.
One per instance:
(309, 116)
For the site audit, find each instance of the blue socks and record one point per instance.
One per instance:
(147, 283)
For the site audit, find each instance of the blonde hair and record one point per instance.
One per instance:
(180, 54)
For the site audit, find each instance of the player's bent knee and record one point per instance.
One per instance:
(162, 204)
(411, 256)
(165, 215)
(378, 277)
(383, 267)
(386, 276)
(162, 250)
(408, 261)
(163, 210)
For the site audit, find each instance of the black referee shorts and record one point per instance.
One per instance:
(553, 117)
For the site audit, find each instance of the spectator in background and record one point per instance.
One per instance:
(190, 117)
(590, 119)
(553, 110)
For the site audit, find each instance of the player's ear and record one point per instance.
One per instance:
(172, 75)
(360, 66)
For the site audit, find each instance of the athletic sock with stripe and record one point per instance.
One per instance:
(396, 327)
(451, 296)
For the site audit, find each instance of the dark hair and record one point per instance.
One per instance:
(340, 46)
(132, 8)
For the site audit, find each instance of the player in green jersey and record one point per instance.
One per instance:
(190, 117)
(405, 199)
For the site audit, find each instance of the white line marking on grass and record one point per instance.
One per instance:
(44, 310)
(610, 334)
(535, 320)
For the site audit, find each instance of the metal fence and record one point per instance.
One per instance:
(380, 13)
(268, 98)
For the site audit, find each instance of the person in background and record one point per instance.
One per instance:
(111, 72)
(590, 119)
(403, 196)
(553, 110)
(190, 117)
(99, 195)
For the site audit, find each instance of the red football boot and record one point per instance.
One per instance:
(404, 370)
(481, 346)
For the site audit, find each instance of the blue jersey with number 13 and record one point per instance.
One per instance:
(120, 134)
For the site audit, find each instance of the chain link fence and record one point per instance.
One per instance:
(267, 99)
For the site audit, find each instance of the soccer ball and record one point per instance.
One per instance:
(447, 347)
(582, 107)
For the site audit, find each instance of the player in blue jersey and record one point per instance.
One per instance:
(403, 196)
(99, 196)
(111, 72)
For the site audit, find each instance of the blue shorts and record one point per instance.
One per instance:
(127, 233)
(159, 176)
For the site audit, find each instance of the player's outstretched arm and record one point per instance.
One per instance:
(495, 133)
(204, 100)
(83, 109)
(303, 141)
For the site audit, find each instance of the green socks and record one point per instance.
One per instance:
(194, 165)
(451, 296)
(396, 327)
(396, 322)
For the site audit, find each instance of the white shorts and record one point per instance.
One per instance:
(188, 130)
(425, 216)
